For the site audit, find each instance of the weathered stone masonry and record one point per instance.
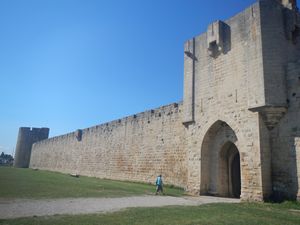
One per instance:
(237, 131)
(134, 148)
(26, 138)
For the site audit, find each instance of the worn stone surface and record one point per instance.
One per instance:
(135, 148)
(237, 130)
(26, 137)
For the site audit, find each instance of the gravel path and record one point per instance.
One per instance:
(28, 208)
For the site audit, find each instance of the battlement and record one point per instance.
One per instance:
(146, 117)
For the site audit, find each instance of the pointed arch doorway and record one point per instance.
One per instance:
(229, 175)
(220, 162)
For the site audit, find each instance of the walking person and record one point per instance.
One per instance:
(159, 185)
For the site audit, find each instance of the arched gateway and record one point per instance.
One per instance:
(220, 162)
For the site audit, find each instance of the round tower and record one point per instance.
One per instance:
(26, 138)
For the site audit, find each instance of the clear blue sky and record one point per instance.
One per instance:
(69, 64)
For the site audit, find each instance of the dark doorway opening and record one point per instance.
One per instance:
(236, 176)
(229, 182)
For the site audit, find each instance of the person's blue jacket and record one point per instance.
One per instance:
(158, 181)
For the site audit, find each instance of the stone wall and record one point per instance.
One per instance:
(226, 84)
(286, 140)
(242, 76)
(281, 52)
(135, 148)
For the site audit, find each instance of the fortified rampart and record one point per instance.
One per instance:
(237, 132)
(134, 148)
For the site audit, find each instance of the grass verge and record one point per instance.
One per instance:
(28, 183)
(242, 214)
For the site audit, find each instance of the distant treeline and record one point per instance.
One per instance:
(6, 159)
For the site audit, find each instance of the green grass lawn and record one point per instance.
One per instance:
(28, 183)
(237, 214)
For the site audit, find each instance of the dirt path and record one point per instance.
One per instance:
(28, 208)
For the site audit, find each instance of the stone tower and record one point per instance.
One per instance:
(26, 138)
